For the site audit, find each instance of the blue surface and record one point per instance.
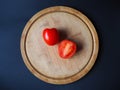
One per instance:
(105, 15)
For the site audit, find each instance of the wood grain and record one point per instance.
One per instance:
(43, 60)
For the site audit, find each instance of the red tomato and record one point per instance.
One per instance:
(51, 36)
(66, 49)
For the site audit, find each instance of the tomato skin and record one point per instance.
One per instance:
(67, 49)
(51, 36)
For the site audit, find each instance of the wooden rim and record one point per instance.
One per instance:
(94, 35)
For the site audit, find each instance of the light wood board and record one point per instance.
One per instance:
(43, 60)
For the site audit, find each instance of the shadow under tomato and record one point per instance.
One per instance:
(62, 35)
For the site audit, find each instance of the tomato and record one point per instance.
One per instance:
(51, 36)
(67, 49)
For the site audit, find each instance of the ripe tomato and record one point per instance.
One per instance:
(51, 36)
(66, 49)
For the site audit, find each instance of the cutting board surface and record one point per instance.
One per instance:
(43, 60)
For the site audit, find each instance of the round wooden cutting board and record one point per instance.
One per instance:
(43, 60)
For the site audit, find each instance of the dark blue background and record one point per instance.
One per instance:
(105, 15)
